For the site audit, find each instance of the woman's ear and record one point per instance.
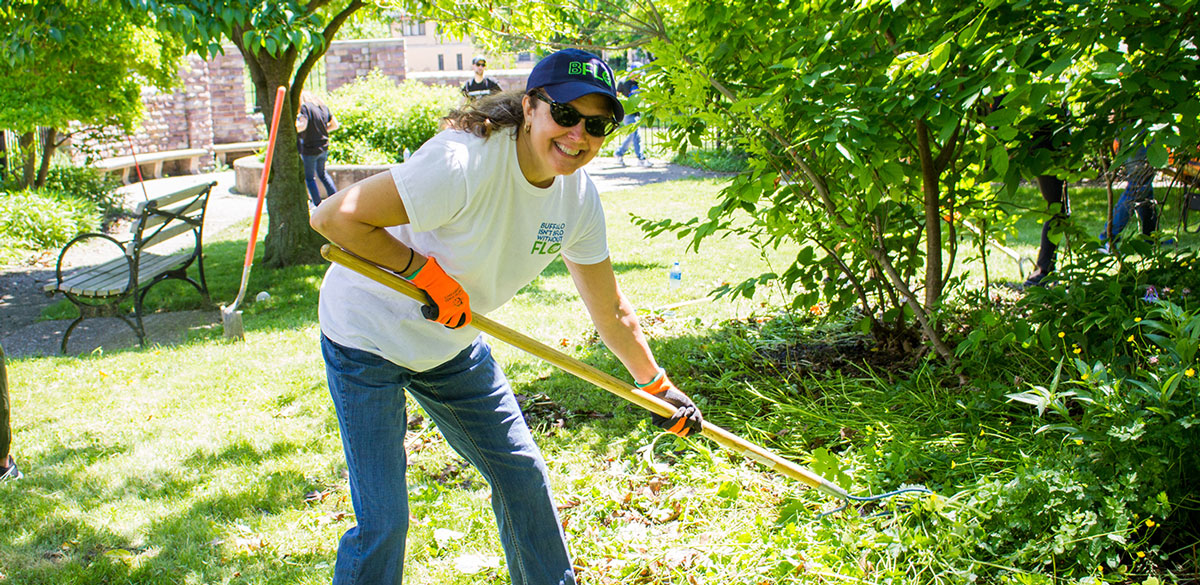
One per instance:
(527, 106)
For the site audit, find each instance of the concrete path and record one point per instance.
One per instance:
(21, 298)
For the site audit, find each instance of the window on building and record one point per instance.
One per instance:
(460, 62)
(249, 92)
(413, 28)
(441, 63)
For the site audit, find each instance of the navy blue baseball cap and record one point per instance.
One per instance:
(571, 74)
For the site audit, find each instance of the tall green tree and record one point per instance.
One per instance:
(281, 41)
(76, 65)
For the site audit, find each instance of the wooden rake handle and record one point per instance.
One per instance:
(589, 373)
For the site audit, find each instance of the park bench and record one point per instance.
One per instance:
(165, 240)
(234, 150)
(1185, 176)
(151, 163)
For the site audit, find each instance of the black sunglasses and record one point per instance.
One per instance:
(481, 63)
(567, 116)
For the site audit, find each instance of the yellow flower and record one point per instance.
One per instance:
(1084, 376)
(1061, 335)
(1077, 350)
(1137, 320)
(1149, 523)
(1190, 372)
(1141, 554)
(953, 464)
(1129, 339)
(1078, 441)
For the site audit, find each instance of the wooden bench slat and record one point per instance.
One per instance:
(166, 234)
(169, 198)
(192, 210)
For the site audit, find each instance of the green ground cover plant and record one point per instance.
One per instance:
(220, 462)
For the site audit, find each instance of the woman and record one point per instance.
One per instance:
(313, 125)
(474, 215)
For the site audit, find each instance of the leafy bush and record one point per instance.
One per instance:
(378, 117)
(1098, 299)
(721, 160)
(1135, 438)
(44, 219)
(87, 184)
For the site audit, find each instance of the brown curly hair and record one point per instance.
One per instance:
(485, 115)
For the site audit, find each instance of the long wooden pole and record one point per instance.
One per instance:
(590, 374)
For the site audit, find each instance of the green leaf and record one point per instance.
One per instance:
(729, 490)
(1156, 154)
(1059, 65)
(1000, 160)
(939, 57)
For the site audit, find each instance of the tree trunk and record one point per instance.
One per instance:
(289, 239)
(933, 220)
(47, 153)
(26, 143)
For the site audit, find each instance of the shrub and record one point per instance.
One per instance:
(1134, 438)
(87, 184)
(377, 116)
(722, 160)
(44, 219)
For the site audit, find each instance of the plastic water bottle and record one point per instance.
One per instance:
(675, 277)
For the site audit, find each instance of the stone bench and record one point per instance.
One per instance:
(235, 150)
(151, 163)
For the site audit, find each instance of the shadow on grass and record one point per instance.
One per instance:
(199, 539)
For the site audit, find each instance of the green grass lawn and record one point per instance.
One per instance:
(191, 463)
(220, 462)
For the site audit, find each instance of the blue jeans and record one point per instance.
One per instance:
(633, 139)
(1138, 197)
(314, 170)
(473, 406)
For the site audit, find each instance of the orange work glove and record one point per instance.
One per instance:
(687, 417)
(448, 302)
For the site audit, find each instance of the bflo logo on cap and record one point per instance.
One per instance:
(593, 69)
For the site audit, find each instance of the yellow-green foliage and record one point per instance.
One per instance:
(379, 118)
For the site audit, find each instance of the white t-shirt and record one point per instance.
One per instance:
(470, 207)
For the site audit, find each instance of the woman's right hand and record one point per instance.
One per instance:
(448, 302)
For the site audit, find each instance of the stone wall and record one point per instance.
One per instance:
(507, 78)
(346, 61)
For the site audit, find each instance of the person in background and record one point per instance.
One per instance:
(479, 86)
(1054, 192)
(1138, 197)
(629, 88)
(313, 124)
(8, 465)
(473, 216)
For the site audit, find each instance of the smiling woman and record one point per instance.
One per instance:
(477, 213)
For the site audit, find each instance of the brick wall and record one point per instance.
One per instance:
(211, 107)
(346, 61)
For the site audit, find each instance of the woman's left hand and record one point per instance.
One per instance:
(687, 418)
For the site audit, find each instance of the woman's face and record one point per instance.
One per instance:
(552, 150)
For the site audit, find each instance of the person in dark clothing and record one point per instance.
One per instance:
(1138, 196)
(313, 124)
(1058, 203)
(8, 465)
(629, 88)
(1054, 191)
(479, 85)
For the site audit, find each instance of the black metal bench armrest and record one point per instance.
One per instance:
(58, 268)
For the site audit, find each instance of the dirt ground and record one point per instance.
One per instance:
(22, 300)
